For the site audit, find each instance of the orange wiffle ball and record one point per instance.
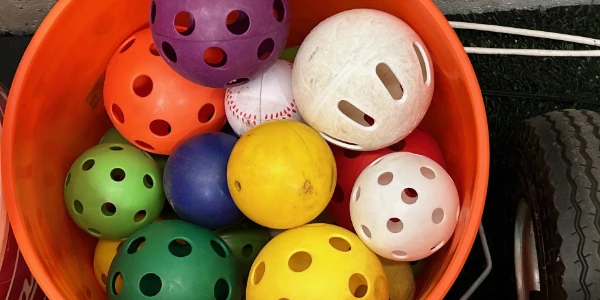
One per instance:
(151, 105)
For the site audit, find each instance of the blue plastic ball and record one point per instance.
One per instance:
(195, 181)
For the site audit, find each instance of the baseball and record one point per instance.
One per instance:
(264, 98)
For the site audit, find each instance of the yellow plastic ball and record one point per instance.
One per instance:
(281, 174)
(103, 256)
(400, 274)
(317, 262)
(105, 252)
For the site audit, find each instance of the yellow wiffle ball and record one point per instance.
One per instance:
(317, 262)
(401, 275)
(281, 174)
(103, 256)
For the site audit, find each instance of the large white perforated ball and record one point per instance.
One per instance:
(404, 206)
(363, 78)
(264, 98)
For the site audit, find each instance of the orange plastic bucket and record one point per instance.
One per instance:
(55, 113)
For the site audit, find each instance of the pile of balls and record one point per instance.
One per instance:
(237, 169)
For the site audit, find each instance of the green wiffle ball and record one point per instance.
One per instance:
(113, 136)
(113, 190)
(174, 259)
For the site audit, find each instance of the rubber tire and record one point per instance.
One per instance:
(558, 165)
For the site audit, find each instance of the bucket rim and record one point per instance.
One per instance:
(480, 185)
(7, 168)
(478, 193)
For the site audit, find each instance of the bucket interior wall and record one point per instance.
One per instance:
(55, 112)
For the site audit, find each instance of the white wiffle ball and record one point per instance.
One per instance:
(404, 206)
(363, 78)
(264, 98)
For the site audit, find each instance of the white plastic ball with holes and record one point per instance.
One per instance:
(364, 79)
(404, 206)
(264, 98)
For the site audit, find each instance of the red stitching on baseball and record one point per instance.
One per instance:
(247, 118)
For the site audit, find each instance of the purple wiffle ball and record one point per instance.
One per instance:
(249, 45)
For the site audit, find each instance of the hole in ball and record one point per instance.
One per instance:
(78, 206)
(357, 194)
(118, 277)
(88, 164)
(247, 250)
(399, 254)
(278, 10)
(136, 245)
(376, 162)
(68, 179)
(221, 289)
(115, 148)
(142, 86)
(236, 82)
(184, 23)
(394, 225)
(218, 248)
(390, 81)
(169, 52)
(437, 246)
(340, 244)
(427, 173)
(409, 196)
(180, 248)
(238, 22)
(120, 245)
(437, 216)
(355, 114)
(108, 209)
(385, 178)
(370, 121)
(215, 57)
(154, 50)
(358, 285)
(150, 285)
(300, 261)
(117, 174)
(139, 216)
(127, 45)
(206, 113)
(117, 113)
(94, 232)
(147, 155)
(144, 145)
(366, 231)
(259, 273)
(265, 49)
(153, 12)
(160, 127)
(148, 181)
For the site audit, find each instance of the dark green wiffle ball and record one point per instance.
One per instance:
(112, 190)
(245, 243)
(174, 259)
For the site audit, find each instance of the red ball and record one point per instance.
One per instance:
(351, 163)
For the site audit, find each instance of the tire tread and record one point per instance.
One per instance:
(559, 175)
